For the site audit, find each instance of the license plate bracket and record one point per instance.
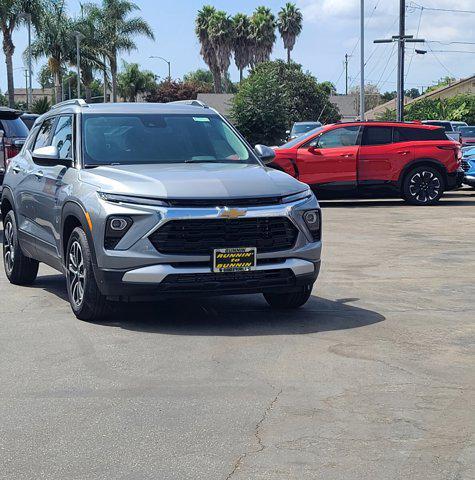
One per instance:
(234, 259)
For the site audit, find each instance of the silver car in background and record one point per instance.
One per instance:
(136, 201)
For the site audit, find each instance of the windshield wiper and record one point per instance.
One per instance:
(200, 160)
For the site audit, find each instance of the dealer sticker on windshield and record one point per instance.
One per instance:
(234, 259)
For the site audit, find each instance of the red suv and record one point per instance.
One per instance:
(417, 161)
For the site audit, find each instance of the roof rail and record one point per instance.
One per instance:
(195, 103)
(74, 101)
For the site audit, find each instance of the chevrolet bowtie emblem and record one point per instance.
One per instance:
(231, 213)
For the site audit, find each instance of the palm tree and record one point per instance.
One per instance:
(117, 30)
(221, 37)
(53, 41)
(243, 44)
(132, 81)
(207, 51)
(12, 14)
(262, 34)
(290, 26)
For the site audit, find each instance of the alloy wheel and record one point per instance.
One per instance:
(424, 186)
(76, 273)
(9, 247)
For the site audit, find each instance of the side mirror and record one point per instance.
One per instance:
(266, 154)
(49, 156)
(314, 150)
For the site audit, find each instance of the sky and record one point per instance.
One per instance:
(330, 29)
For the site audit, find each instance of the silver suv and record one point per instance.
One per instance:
(155, 200)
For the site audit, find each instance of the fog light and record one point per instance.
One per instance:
(313, 222)
(116, 228)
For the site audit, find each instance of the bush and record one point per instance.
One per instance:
(458, 108)
(274, 96)
(174, 90)
(40, 106)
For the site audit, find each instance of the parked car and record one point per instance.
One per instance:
(451, 128)
(12, 138)
(417, 161)
(156, 200)
(29, 119)
(468, 165)
(299, 128)
(468, 135)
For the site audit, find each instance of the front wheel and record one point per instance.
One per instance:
(20, 269)
(289, 300)
(85, 298)
(423, 186)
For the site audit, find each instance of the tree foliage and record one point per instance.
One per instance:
(40, 106)
(289, 24)
(274, 96)
(171, 91)
(132, 81)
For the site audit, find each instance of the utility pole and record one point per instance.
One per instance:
(26, 90)
(346, 73)
(362, 102)
(402, 39)
(167, 62)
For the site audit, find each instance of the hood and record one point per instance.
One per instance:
(197, 180)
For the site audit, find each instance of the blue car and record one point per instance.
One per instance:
(468, 165)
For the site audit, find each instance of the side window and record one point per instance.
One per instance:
(408, 134)
(63, 136)
(42, 140)
(338, 137)
(377, 135)
(31, 139)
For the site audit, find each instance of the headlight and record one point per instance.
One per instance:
(116, 227)
(131, 199)
(313, 220)
(298, 196)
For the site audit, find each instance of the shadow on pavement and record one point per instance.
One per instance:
(246, 315)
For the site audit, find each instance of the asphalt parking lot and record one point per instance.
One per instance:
(373, 379)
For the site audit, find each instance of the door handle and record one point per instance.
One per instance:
(16, 169)
(39, 175)
(404, 152)
(346, 155)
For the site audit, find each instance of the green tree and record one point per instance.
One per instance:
(117, 31)
(387, 96)
(221, 37)
(442, 82)
(171, 91)
(132, 81)
(413, 93)
(207, 51)
(12, 14)
(40, 106)
(275, 95)
(242, 43)
(52, 41)
(45, 77)
(289, 23)
(199, 76)
(262, 34)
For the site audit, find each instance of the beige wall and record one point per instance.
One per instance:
(464, 87)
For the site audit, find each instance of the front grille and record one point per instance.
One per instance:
(201, 236)
(465, 166)
(223, 282)
(225, 202)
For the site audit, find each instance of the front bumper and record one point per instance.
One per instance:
(177, 280)
(469, 180)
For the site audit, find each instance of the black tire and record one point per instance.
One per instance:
(85, 298)
(19, 269)
(423, 186)
(289, 300)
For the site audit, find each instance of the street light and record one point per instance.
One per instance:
(79, 36)
(167, 62)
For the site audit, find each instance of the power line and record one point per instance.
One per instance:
(451, 10)
(414, 49)
(450, 43)
(453, 51)
(440, 63)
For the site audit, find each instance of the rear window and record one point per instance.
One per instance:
(418, 134)
(14, 128)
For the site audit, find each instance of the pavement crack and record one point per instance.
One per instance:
(257, 435)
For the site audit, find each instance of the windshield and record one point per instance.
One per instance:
(122, 139)
(303, 137)
(14, 128)
(467, 131)
(303, 127)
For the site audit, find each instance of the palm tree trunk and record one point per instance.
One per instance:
(218, 86)
(105, 81)
(8, 49)
(240, 75)
(288, 56)
(113, 67)
(58, 87)
(87, 89)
